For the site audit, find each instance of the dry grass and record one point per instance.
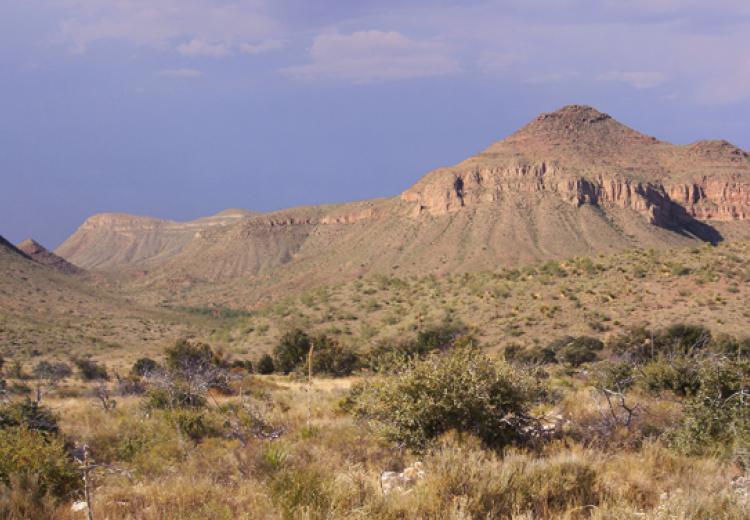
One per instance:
(331, 468)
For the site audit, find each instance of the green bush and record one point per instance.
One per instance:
(717, 418)
(332, 358)
(173, 396)
(574, 350)
(266, 365)
(53, 371)
(291, 351)
(613, 375)
(185, 356)
(388, 356)
(30, 415)
(192, 423)
(144, 366)
(679, 374)
(642, 344)
(25, 452)
(90, 370)
(460, 389)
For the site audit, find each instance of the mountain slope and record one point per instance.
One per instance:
(45, 310)
(41, 255)
(573, 182)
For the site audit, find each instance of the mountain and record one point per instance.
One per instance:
(112, 240)
(572, 182)
(43, 310)
(41, 255)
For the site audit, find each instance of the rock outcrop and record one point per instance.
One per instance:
(41, 255)
(586, 157)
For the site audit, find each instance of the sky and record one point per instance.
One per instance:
(182, 108)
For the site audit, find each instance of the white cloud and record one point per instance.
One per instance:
(262, 47)
(197, 47)
(371, 56)
(180, 73)
(638, 79)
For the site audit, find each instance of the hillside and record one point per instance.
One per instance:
(531, 306)
(573, 182)
(43, 310)
(40, 254)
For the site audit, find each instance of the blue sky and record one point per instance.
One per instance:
(181, 108)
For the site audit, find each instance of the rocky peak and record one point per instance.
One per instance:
(579, 126)
(718, 150)
(32, 247)
(584, 156)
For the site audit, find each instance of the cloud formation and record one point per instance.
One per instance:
(372, 56)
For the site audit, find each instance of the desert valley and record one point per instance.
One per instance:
(555, 327)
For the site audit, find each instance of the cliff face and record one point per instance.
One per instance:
(585, 157)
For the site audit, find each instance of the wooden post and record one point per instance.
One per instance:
(309, 383)
(87, 482)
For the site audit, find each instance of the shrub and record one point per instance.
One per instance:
(243, 364)
(679, 374)
(573, 350)
(51, 371)
(90, 370)
(332, 358)
(642, 344)
(389, 356)
(717, 419)
(16, 371)
(26, 452)
(185, 356)
(191, 423)
(460, 389)
(30, 415)
(613, 375)
(144, 366)
(173, 396)
(291, 351)
(266, 365)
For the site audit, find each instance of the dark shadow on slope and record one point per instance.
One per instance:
(685, 224)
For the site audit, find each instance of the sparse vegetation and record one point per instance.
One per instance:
(539, 392)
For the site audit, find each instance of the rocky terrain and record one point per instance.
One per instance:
(572, 182)
(40, 254)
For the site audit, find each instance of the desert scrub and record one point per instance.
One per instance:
(459, 389)
(31, 449)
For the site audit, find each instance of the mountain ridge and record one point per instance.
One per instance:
(570, 182)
